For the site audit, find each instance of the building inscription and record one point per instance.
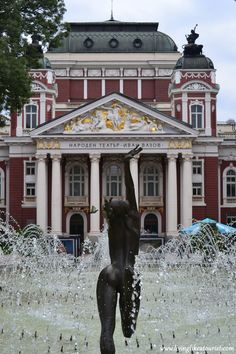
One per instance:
(111, 145)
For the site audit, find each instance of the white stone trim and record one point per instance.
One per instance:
(208, 130)
(42, 117)
(103, 87)
(85, 89)
(121, 86)
(185, 107)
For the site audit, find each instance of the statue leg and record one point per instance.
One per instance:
(129, 303)
(106, 300)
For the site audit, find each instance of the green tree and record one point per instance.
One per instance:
(19, 21)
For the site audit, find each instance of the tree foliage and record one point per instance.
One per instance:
(19, 21)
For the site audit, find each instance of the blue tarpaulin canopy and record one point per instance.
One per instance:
(196, 226)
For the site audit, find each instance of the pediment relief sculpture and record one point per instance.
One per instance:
(113, 118)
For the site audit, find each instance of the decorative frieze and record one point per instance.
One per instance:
(196, 86)
(148, 72)
(165, 72)
(130, 72)
(195, 75)
(60, 72)
(112, 72)
(48, 144)
(76, 72)
(94, 72)
(180, 144)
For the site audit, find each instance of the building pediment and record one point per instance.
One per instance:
(114, 114)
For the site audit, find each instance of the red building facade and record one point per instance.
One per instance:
(111, 86)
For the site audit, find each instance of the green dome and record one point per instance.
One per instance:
(194, 62)
(117, 37)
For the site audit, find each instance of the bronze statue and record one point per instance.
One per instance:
(118, 278)
(191, 38)
(192, 49)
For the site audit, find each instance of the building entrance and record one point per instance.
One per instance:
(151, 223)
(77, 226)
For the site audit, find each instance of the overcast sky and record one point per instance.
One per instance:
(216, 21)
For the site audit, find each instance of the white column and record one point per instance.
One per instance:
(95, 195)
(186, 191)
(42, 200)
(56, 203)
(134, 174)
(171, 211)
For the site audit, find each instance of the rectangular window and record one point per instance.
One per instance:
(197, 116)
(197, 167)
(30, 189)
(30, 180)
(30, 168)
(198, 178)
(197, 189)
(31, 116)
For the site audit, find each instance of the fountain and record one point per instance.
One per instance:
(48, 298)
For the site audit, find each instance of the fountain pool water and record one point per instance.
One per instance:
(48, 300)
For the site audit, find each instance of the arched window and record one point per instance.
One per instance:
(76, 181)
(31, 116)
(197, 116)
(150, 181)
(113, 181)
(231, 183)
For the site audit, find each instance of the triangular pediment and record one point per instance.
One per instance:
(117, 115)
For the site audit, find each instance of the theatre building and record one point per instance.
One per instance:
(109, 87)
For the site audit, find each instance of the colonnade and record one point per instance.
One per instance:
(171, 192)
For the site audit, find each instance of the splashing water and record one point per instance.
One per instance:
(48, 298)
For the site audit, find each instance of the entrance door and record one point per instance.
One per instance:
(151, 223)
(77, 226)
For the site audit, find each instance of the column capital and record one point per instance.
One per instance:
(56, 157)
(41, 156)
(187, 157)
(172, 156)
(94, 157)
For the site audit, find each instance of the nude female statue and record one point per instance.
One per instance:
(118, 277)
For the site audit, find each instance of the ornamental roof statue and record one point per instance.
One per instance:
(192, 49)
